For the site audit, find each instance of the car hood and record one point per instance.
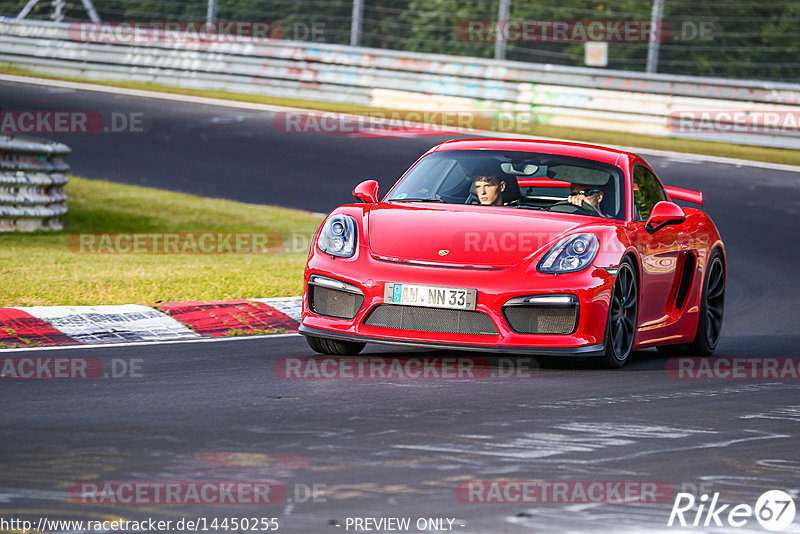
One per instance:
(461, 235)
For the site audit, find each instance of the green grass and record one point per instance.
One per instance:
(40, 269)
(772, 155)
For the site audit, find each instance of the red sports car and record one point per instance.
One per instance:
(518, 246)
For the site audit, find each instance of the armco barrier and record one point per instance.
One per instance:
(557, 95)
(32, 178)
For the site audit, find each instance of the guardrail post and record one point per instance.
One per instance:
(502, 30)
(655, 36)
(32, 178)
(356, 23)
(211, 14)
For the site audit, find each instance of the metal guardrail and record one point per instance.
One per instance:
(32, 178)
(562, 96)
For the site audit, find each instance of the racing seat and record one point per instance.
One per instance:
(512, 194)
(607, 204)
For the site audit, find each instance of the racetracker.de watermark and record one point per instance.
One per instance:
(562, 492)
(72, 122)
(778, 122)
(189, 243)
(185, 32)
(734, 368)
(396, 368)
(177, 492)
(378, 367)
(524, 241)
(372, 122)
(580, 31)
(68, 368)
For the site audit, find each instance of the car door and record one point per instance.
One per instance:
(658, 252)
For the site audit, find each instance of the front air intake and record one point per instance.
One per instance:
(333, 298)
(430, 320)
(546, 314)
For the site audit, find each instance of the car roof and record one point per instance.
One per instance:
(560, 148)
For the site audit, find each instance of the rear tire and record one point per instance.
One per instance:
(334, 347)
(623, 312)
(712, 307)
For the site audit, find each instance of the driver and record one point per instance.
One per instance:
(590, 194)
(489, 189)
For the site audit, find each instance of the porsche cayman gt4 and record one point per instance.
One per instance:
(518, 246)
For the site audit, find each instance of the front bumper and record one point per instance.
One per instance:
(586, 350)
(495, 288)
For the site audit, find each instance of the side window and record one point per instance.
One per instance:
(647, 191)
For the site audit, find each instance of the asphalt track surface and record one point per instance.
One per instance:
(399, 448)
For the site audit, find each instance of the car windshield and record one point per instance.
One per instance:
(520, 180)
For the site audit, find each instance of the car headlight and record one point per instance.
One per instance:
(338, 236)
(571, 254)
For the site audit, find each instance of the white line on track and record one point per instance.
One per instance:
(143, 343)
(277, 109)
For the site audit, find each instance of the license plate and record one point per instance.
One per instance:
(430, 296)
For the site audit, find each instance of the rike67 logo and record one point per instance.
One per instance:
(774, 510)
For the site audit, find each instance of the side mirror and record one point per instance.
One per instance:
(663, 214)
(367, 191)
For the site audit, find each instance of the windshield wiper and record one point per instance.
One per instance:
(417, 200)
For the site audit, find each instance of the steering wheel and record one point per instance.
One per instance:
(564, 206)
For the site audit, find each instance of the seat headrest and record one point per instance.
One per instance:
(512, 191)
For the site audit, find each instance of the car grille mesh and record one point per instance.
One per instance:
(333, 303)
(431, 320)
(541, 319)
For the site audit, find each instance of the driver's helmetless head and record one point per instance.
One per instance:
(590, 194)
(489, 190)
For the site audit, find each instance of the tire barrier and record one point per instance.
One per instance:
(32, 178)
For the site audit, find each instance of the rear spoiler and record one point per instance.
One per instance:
(684, 194)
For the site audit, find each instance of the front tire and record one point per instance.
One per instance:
(334, 347)
(623, 312)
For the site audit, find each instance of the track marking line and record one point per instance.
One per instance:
(145, 343)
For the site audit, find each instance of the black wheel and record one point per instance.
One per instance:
(334, 347)
(712, 306)
(622, 314)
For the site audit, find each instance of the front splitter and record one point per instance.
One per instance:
(587, 350)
